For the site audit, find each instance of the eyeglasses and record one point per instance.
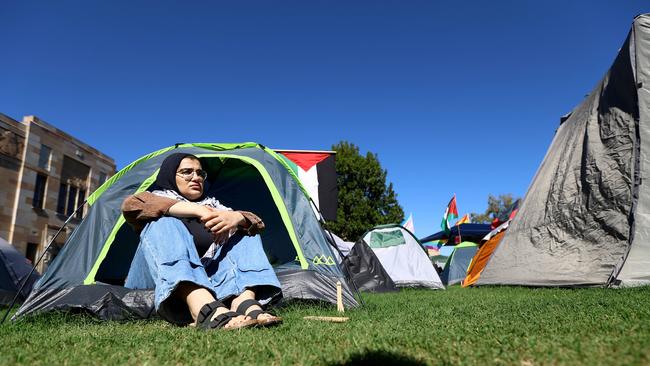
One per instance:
(188, 174)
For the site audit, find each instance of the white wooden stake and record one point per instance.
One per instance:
(339, 298)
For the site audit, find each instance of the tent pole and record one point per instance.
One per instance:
(40, 258)
(321, 220)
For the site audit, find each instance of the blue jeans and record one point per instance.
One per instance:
(167, 256)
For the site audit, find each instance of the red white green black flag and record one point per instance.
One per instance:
(451, 213)
(317, 173)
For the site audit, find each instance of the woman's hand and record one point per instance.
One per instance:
(221, 222)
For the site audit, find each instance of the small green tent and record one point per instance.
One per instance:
(458, 262)
(89, 272)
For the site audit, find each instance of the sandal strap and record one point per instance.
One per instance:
(255, 313)
(241, 309)
(206, 312)
(221, 320)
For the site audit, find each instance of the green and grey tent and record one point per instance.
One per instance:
(585, 220)
(455, 269)
(89, 272)
(402, 256)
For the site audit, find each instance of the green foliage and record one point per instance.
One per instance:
(496, 206)
(475, 326)
(364, 198)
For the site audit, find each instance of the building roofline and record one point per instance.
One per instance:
(2, 116)
(40, 122)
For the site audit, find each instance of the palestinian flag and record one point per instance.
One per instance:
(507, 215)
(451, 213)
(317, 173)
(513, 209)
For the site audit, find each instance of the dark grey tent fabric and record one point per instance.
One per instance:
(233, 177)
(112, 302)
(311, 285)
(14, 270)
(585, 218)
(366, 270)
(361, 265)
(103, 301)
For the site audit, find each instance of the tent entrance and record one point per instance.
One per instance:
(238, 183)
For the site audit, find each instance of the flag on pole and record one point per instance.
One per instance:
(408, 224)
(513, 209)
(451, 213)
(463, 220)
(508, 214)
(317, 173)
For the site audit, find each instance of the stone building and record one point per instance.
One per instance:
(45, 174)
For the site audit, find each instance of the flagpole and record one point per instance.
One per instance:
(460, 238)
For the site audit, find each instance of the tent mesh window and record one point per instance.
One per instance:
(386, 239)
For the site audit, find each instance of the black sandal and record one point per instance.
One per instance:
(204, 319)
(254, 314)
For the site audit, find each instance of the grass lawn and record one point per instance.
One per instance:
(518, 326)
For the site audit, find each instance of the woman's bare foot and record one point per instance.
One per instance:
(253, 308)
(235, 322)
(202, 305)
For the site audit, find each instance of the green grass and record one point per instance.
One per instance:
(457, 326)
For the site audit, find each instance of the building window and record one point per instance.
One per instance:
(32, 252)
(72, 191)
(70, 197)
(72, 200)
(44, 157)
(63, 194)
(102, 178)
(80, 200)
(39, 191)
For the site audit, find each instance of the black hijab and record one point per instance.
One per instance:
(166, 178)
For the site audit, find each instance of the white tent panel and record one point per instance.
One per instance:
(403, 257)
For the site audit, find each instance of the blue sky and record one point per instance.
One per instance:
(454, 96)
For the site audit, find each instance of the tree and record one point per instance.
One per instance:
(496, 207)
(364, 198)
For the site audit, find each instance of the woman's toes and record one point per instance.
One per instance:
(235, 321)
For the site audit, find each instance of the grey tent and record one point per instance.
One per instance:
(89, 272)
(585, 220)
(14, 270)
(402, 256)
(343, 246)
(455, 269)
(366, 271)
(362, 265)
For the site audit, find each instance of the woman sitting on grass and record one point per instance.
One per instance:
(193, 251)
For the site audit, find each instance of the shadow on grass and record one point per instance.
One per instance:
(378, 358)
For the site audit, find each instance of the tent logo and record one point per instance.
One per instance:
(323, 260)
